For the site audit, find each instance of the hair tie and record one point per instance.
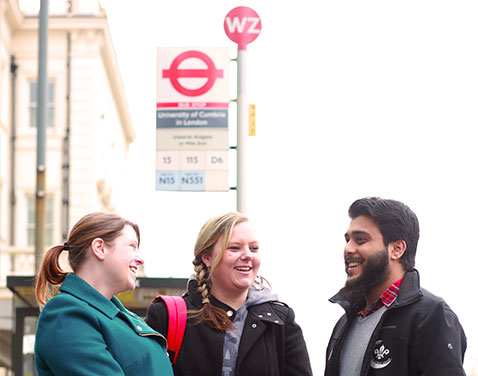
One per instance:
(66, 247)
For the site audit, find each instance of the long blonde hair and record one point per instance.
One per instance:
(210, 233)
(95, 225)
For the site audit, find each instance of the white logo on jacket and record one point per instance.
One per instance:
(381, 356)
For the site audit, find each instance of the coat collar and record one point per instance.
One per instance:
(264, 312)
(409, 289)
(260, 305)
(408, 293)
(82, 290)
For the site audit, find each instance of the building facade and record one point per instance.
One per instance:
(89, 130)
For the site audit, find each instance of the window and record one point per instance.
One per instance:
(31, 220)
(50, 104)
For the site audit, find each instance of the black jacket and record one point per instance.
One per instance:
(271, 343)
(417, 335)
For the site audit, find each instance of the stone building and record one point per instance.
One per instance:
(89, 130)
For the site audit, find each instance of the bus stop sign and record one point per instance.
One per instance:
(242, 26)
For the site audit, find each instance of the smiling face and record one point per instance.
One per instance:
(365, 255)
(239, 265)
(122, 261)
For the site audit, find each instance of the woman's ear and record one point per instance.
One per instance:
(397, 250)
(98, 248)
(206, 258)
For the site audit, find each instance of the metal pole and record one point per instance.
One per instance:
(13, 202)
(66, 145)
(42, 96)
(242, 131)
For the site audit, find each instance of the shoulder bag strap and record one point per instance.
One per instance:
(177, 314)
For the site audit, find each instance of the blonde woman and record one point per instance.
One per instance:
(235, 326)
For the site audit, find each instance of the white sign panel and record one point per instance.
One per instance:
(192, 119)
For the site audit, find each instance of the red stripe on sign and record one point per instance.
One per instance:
(192, 105)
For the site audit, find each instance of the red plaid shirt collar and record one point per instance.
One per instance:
(386, 299)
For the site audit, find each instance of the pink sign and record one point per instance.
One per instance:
(242, 26)
(174, 73)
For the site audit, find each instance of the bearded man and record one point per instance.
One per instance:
(391, 326)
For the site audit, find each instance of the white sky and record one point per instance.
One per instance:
(352, 99)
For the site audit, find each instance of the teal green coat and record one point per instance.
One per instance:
(80, 332)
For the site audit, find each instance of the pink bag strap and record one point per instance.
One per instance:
(178, 315)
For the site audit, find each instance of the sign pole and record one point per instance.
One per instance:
(242, 25)
(242, 131)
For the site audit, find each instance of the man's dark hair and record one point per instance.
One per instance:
(395, 220)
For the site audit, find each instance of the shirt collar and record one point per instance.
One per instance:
(386, 299)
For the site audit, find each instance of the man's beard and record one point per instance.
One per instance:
(375, 270)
